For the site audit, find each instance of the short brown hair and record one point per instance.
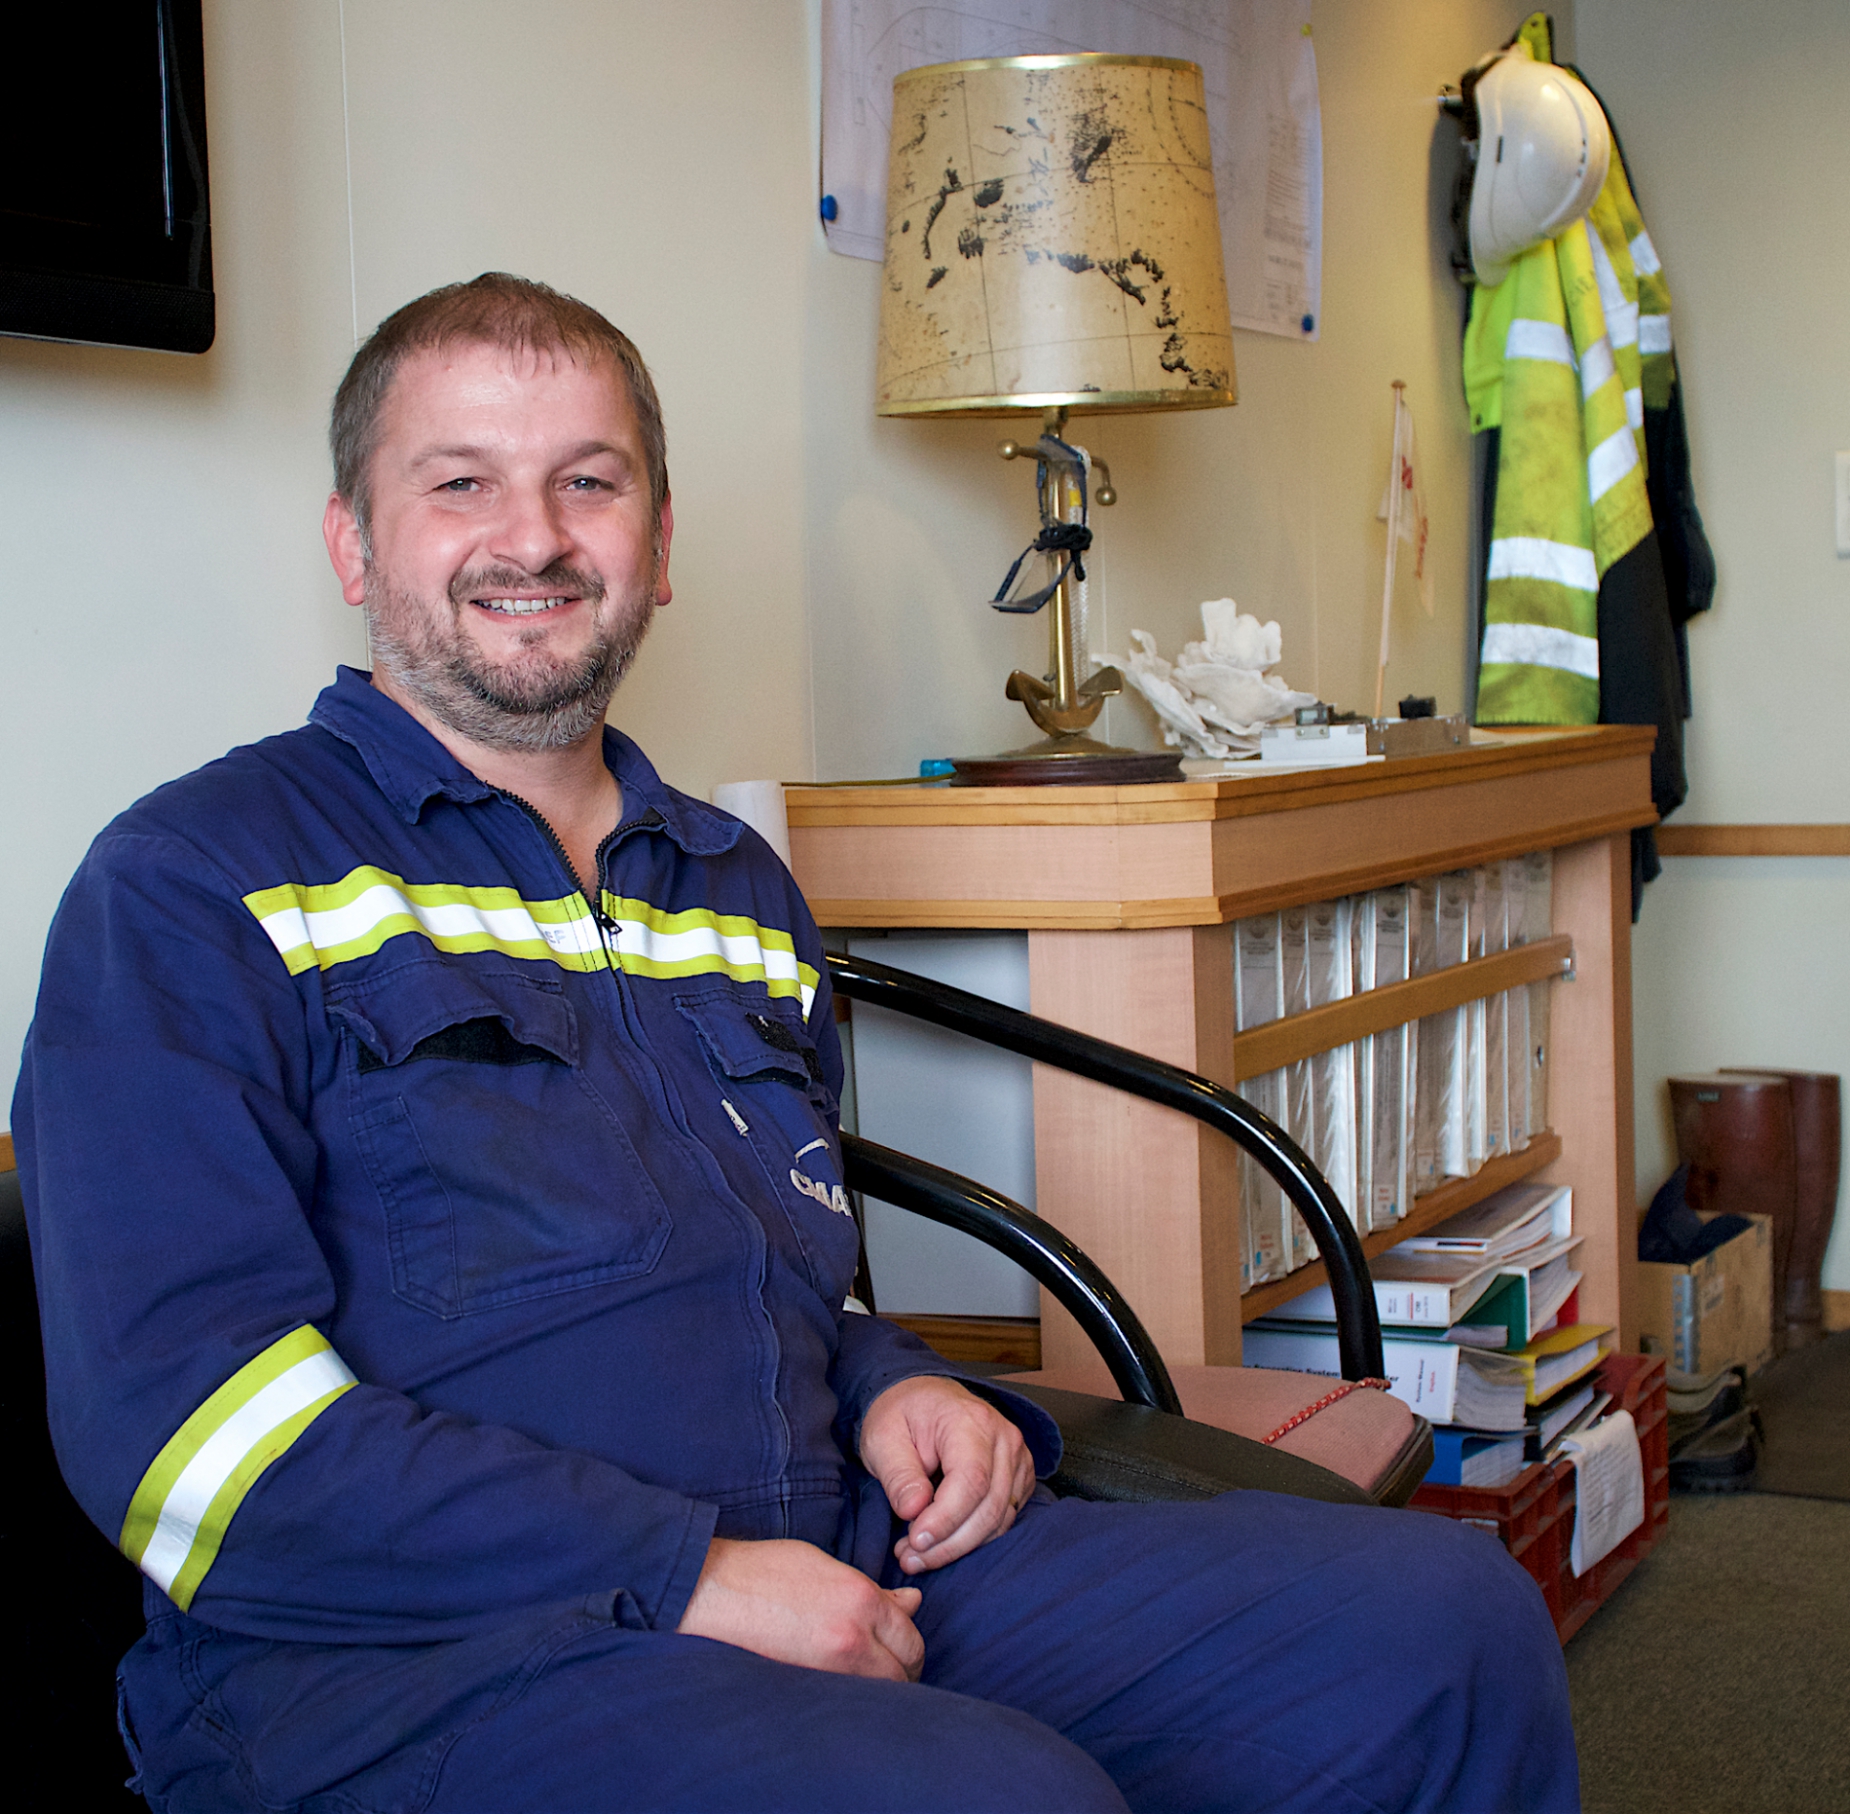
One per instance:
(497, 310)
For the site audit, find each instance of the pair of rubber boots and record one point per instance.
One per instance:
(1769, 1143)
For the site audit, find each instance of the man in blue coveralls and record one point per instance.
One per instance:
(428, 1130)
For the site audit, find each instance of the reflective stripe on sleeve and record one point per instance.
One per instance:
(1610, 461)
(1531, 557)
(1621, 314)
(1537, 646)
(646, 941)
(1654, 333)
(322, 925)
(186, 1500)
(1596, 367)
(1539, 340)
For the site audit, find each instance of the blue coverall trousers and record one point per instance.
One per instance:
(1249, 1652)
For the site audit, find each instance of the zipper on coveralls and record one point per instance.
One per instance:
(604, 923)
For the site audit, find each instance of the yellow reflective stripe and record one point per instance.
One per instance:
(645, 940)
(320, 925)
(180, 1512)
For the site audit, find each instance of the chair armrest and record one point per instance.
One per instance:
(1358, 1328)
(1131, 1452)
(1037, 1247)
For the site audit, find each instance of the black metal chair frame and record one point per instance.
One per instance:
(1036, 1245)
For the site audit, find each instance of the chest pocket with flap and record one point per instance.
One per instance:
(503, 1174)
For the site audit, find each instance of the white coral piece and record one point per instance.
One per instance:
(1216, 697)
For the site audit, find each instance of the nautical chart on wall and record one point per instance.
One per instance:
(1260, 72)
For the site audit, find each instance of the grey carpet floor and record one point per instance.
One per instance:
(1717, 1679)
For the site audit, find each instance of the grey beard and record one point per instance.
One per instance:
(497, 709)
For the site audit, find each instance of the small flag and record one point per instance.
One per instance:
(1403, 509)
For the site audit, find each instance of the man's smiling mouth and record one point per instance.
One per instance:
(520, 607)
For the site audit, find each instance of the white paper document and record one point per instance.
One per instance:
(1609, 1484)
(1264, 122)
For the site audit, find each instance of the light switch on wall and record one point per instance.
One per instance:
(1843, 506)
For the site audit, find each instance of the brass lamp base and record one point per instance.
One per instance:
(1072, 760)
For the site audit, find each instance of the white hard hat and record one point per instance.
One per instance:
(1543, 149)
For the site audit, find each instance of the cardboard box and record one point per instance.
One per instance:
(1716, 1313)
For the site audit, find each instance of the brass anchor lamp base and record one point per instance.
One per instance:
(1063, 705)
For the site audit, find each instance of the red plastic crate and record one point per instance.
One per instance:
(1532, 1516)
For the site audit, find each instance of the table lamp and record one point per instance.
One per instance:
(1053, 248)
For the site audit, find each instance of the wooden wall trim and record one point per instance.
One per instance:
(1753, 840)
(7, 1162)
(994, 1341)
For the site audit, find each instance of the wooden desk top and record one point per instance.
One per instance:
(1205, 852)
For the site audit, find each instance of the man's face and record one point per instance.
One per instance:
(512, 566)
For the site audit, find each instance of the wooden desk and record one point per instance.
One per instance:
(1126, 895)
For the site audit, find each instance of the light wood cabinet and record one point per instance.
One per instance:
(1127, 896)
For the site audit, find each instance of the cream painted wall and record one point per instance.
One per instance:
(666, 176)
(913, 523)
(1732, 118)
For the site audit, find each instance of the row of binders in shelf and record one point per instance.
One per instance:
(1399, 1036)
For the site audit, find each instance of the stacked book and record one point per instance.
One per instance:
(1479, 1334)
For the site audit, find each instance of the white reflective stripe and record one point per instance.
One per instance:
(452, 919)
(1538, 340)
(1621, 316)
(1644, 255)
(1596, 367)
(191, 1496)
(1634, 408)
(1537, 646)
(678, 951)
(1654, 333)
(1609, 462)
(286, 928)
(290, 927)
(1531, 557)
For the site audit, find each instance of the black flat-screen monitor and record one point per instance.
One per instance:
(104, 230)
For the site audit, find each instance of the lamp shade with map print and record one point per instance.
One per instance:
(1053, 245)
(1052, 240)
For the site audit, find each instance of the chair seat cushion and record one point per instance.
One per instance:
(1360, 1435)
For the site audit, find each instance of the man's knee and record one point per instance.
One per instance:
(1457, 1587)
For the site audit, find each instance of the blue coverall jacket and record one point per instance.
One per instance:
(420, 1242)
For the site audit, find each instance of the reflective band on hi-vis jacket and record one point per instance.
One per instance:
(320, 925)
(1538, 646)
(186, 1500)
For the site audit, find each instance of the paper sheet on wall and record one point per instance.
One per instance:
(1260, 71)
(1609, 1488)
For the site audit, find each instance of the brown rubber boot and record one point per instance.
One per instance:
(1735, 1133)
(1817, 1125)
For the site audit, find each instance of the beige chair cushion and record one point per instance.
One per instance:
(1359, 1436)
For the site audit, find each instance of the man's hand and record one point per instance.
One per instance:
(795, 1603)
(925, 1427)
